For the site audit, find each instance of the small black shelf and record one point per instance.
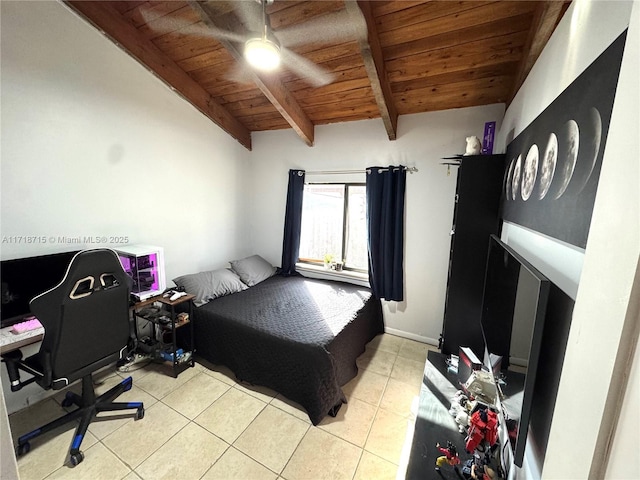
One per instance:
(166, 320)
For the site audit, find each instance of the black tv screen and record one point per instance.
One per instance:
(513, 315)
(24, 278)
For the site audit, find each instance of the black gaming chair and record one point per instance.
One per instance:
(86, 324)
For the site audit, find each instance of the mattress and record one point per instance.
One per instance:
(295, 335)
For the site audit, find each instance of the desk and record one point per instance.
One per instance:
(10, 341)
(434, 424)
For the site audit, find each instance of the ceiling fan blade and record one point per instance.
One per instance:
(332, 27)
(250, 14)
(169, 24)
(309, 71)
(202, 30)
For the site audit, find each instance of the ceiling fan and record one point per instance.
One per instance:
(264, 49)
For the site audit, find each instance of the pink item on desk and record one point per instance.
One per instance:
(26, 326)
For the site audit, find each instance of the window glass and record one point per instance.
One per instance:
(356, 241)
(334, 225)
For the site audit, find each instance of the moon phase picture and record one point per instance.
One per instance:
(554, 164)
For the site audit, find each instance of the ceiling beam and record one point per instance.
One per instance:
(127, 37)
(374, 64)
(545, 18)
(270, 86)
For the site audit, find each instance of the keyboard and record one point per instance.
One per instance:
(26, 326)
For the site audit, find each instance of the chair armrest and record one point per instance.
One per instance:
(14, 362)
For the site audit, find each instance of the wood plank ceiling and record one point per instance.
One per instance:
(416, 56)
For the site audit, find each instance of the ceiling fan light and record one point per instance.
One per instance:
(262, 53)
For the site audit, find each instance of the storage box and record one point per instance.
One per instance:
(468, 362)
(168, 356)
(487, 138)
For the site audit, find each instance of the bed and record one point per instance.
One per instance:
(295, 335)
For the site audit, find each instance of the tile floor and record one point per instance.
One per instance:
(205, 425)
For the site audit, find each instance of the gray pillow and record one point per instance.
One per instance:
(253, 270)
(209, 285)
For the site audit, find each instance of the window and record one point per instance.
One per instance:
(334, 223)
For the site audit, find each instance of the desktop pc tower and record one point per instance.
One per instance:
(145, 265)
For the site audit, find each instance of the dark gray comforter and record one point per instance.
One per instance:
(296, 335)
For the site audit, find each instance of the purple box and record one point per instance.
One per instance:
(487, 138)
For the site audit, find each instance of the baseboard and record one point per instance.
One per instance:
(411, 336)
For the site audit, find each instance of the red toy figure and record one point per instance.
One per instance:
(450, 457)
(483, 428)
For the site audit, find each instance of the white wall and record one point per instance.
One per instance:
(422, 140)
(8, 466)
(94, 145)
(603, 278)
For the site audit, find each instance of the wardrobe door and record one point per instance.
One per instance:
(476, 217)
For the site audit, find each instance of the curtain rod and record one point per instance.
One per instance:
(340, 172)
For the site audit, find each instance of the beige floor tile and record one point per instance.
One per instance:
(160, 383)
(188, 454)
(292, 408)
(228, 416)
(387, 436)
(322, 456)
(35, 416)
(219, 372)
(399, 397)
(432, 348)
(413, 350)
(50, 452)
(99, 464)
(135, 441)
(408, 371)
(137, 370)
(352, 423)
(103, 380)
(377, 361)
(108, 422)
(192, 398)
(272, 437)
(386, 342)
(367, 386)
(235, 465)
(261, 393)
(199, 366)
(372, 467)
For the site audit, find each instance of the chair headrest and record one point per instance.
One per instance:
(91, 270)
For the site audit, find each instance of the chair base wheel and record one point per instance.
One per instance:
(76, 458)
(66, 401)
(140, 413)
(23, 449)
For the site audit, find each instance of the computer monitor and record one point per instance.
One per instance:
(24, 278)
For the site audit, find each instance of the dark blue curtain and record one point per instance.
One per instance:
(292, 222)
(385, 230)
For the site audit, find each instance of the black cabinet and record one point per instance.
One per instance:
(476, 217)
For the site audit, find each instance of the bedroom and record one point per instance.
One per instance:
(69, 170)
